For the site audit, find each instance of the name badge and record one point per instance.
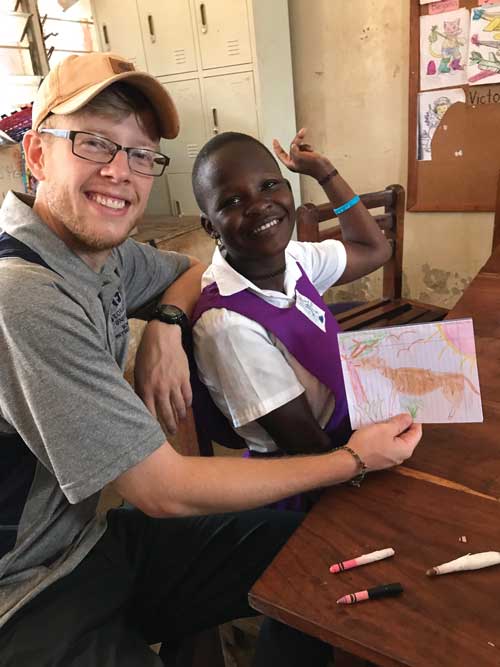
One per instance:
(310, 310)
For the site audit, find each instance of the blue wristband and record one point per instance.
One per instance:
(345, 207)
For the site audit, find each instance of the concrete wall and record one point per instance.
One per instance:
(351, 89)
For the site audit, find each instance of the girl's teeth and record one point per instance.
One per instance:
(108, 201)
(266, 226)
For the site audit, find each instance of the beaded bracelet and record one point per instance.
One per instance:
(363, 468)
(345, 207)
(325, 179)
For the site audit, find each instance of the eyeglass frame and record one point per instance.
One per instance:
(70, 134)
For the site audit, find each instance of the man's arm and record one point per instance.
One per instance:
(161, 368)
(366, 246)
(168, 484)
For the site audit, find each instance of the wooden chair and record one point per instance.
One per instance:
(496, 222)
(391, 309)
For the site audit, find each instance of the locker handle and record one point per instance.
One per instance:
(178, 207)
(105, 35)
(203, 15)
(151, 28)
(215, 119)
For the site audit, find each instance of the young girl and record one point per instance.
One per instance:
(265, 342)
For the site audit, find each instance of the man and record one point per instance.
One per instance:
(74, 590)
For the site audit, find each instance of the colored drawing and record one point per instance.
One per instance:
(443, 49)
(432, 107)
(443, 6)
(484, 49)
(428, 370)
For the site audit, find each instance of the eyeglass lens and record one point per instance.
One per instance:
(98, 149)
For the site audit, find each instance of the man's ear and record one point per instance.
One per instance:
(34, 154)
(206, 223)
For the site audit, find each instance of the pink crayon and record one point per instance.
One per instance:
(384, 591)
(361, 560)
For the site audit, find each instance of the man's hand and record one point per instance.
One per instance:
(302, 158)
(387, 444)
(162, 374)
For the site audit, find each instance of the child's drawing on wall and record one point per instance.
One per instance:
(443, 49)
(484, 50)
(432, 107)
(428, 370)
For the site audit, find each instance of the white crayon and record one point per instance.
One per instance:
(361, 560)
(468, 562)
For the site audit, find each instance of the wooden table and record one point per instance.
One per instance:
(182, 234)
(159, 229)
(449, 489)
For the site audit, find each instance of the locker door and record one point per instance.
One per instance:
(168, 36)
(181, 195)
(183, 150)
(119, 29)
(223, 32)
(231, 104)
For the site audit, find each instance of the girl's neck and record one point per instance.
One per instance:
(268, 273)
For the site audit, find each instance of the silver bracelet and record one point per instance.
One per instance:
(363, 468)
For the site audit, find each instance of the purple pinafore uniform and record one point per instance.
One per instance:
(316, 350)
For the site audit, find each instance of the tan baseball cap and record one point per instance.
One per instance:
(75, 80)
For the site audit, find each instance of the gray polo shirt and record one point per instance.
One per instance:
(63, 345)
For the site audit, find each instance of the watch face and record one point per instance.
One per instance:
(170, 314)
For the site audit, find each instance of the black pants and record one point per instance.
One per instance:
(155, 580)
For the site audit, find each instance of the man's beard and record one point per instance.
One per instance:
(60, 209)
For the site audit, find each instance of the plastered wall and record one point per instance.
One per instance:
(351, 89)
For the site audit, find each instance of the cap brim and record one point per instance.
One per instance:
(161, 101)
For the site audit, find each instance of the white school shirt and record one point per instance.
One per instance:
(247, 370)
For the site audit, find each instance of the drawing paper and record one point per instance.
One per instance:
(432, 107)
(484, 45)
(443, 49)
(443, 6)
(428, 370)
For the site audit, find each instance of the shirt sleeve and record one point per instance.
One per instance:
(323, 262)
(65, 394)
(246, 374)
(147, 272)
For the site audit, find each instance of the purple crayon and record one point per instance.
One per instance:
(361, 560)
(384, 591)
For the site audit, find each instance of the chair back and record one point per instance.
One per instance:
(390, 221)
(496, 222)
(207, 423)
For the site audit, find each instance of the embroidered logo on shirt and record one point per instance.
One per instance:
(119, 316)
(310, 310)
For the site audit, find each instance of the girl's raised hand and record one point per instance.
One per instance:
(302, 158)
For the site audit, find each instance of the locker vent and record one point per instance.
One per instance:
(180, 56)
(233, 47)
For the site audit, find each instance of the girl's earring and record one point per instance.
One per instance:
(218, 242)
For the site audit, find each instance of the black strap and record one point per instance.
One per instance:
(17, 462)
(12, 247)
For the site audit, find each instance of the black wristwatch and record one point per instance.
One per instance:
(166, 312)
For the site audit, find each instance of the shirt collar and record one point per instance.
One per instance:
(18, 219)
(229, 281)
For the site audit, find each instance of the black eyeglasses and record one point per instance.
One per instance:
(94, 148)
